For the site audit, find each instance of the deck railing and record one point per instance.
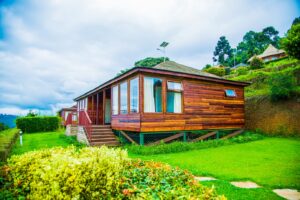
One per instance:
(85, 121)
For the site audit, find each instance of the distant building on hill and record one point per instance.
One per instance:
(68, 114)
(271, 53)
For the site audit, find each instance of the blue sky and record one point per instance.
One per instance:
(52, 51)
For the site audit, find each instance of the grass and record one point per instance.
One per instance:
(175, 147)
(271, 162)
(232, 192)
(36, 141)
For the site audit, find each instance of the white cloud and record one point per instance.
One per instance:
(55, 50)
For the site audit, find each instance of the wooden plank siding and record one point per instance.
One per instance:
(204, 103)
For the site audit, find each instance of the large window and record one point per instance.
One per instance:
(123, 98)
(115, 103)
(152, 94)
(174, 97)
(134, 95)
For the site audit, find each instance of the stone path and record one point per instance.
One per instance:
(245, 184)
(288, 194)
(204, 178)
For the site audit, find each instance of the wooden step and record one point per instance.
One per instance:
(114, 143)
(103, 133)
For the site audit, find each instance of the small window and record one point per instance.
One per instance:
(230, 93)
(123, 98)
(174, 97)
(115, 100)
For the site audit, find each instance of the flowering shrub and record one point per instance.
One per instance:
(95, 173)
(152, 180)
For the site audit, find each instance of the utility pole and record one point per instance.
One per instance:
(162, 48)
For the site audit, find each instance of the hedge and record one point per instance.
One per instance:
(38, 124)
(95, 173)
(7, 139)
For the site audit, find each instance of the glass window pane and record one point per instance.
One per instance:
(152, 94)
(174, 86)
(115, 106)
(123, 98)
(174, 104)
(134, 95)
(230, 93)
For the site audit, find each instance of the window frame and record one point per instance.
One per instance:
(228, 96)
(176, 91)
(162, 94)
(129, 95)
(112, 99)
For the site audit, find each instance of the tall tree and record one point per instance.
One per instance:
(291, 43)
(222, 51)
(296, 21)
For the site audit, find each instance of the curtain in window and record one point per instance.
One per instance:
(115, 106)
(177, 102)
(149, 100)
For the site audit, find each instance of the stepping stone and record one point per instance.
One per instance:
(204, 178)
(245, 184)
(288, 194)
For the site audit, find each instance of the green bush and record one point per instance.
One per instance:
(7, 139)
(95, 173)
(219, 71)
(175, 147)
(256, 63)
(38, 124)
(281, 86)
(242, 70)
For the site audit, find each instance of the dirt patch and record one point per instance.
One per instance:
(274, 118)
(246, 184)
(288, 194)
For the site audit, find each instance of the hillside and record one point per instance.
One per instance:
(8, 120)
(273, 117)
(260, 78)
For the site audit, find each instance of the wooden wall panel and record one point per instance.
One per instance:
(205, 107)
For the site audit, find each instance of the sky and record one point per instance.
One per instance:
(52, 51)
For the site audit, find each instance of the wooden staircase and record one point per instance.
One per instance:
(103, 135)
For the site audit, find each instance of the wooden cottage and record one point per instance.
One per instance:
(168, 97)
(269, 54)
(68, 115)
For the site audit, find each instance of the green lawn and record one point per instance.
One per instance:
(271, 162)
(36, 141)
(232, 192)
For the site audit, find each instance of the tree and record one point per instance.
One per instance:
(291, 43)
(31, 114)
(150, 62)
(207, 66)
(222, 49)
(3, 126)
(255, 43)
(296, 21)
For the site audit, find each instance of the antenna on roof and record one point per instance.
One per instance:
(162, 48)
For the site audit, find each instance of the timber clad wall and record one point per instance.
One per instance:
(205, 106)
